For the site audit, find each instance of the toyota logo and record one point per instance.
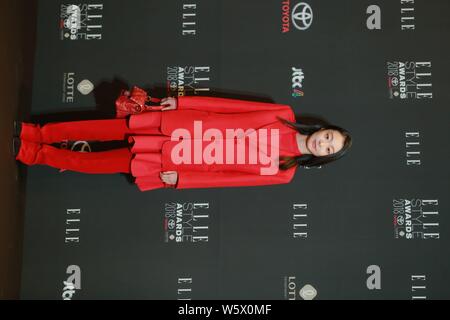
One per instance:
(302, 16)
(82, 145)
(400, 220)
(171, 224)
(394, 81)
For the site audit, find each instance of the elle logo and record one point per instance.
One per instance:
(300, 225)
(184, 289)
(189, 23)
(412, 148)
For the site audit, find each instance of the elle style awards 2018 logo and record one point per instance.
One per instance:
(188, 80)
(409, 80)
(186, 222)
(416, 218)
(81, 21)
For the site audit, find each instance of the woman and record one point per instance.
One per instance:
(192, 142)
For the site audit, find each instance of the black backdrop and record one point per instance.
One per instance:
(340, 228)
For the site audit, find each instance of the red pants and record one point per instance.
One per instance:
(35, 148)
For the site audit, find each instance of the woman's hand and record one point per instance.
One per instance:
(169, 103)
(169, 177)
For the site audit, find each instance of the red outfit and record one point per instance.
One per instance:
(151, 152)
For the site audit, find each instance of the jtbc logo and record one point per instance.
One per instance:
(297, 82)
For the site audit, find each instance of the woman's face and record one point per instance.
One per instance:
(325, 142)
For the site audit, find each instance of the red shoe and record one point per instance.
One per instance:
(27, 150)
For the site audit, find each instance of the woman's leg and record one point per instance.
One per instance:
(98, 130)
(34, 151)
(112, 161)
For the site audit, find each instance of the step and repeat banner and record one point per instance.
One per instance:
(373, 225)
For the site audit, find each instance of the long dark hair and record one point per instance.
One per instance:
(310, 160)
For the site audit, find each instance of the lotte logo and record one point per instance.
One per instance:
(302, 16)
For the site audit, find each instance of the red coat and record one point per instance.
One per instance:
(222, 114)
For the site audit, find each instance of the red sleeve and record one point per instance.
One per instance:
(212, 179)
(225, 105)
